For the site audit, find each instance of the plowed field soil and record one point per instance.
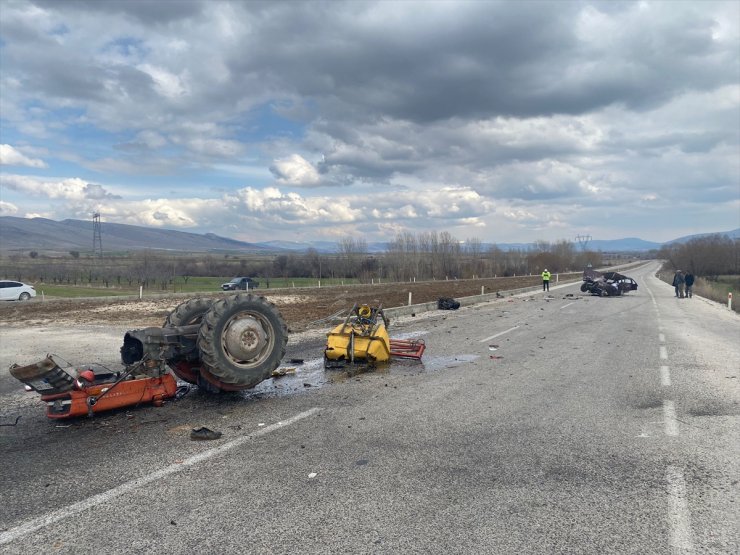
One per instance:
(299, 307)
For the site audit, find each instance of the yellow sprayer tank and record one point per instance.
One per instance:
(355, 342)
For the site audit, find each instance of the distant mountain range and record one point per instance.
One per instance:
(41, 234)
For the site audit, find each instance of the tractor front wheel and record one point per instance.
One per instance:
(187, 314)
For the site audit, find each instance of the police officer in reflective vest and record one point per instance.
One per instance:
(545, 280)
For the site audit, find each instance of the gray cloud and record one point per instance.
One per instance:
(522, 102)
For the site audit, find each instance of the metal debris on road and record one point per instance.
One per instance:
(280, 372)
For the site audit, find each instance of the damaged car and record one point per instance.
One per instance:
(607, 284)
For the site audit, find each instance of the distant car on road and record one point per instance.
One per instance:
(15, 291)
(240, 283)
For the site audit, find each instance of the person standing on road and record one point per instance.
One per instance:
(689, 281)
(545, 280)
(678, 282)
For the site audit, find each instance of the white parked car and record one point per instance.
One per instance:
(15, 291)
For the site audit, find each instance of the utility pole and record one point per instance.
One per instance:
(583, 240)
(97, 239)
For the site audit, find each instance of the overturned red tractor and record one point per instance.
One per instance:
(225, 345)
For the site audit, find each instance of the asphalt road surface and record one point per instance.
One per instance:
(536, 424)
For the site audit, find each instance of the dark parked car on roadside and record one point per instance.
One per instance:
(15, 291)
(240, 283)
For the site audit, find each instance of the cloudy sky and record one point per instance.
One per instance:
(503, 121)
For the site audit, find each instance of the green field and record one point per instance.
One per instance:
(178, 285)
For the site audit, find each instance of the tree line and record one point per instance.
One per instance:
(409, 256)
(710, 256)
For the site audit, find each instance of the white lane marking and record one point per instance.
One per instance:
(652, 297)
(661, 337)
(498, 334)
(665, 376)
(669, 418)
(663, 353)
(76, 508)
(678, 512)
(565, 305)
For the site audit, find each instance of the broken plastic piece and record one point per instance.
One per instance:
(204, 434)
(447, 303)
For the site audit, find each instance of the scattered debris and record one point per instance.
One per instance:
(181, 391)
(312, 475)
(492, 347)
(495, 357)
(307, 385)
(296, 361)
(17, 418)
(201, 434)
(280, 372)
(568, 295)
(447, 303)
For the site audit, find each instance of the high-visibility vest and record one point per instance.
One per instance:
(545, 276)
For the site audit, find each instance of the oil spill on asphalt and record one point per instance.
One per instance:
(312, 374)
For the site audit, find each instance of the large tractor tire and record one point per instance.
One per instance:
(187, 314)
(242, 340)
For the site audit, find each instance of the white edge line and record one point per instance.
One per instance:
(76, 508)
(498, 334)
(678, 512)
(669, 418)
(565, 305)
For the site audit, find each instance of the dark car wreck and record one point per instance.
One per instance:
(606, 284)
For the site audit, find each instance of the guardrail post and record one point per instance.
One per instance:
(409, 298)
(482, 289)
(729, 300)
(141, 292)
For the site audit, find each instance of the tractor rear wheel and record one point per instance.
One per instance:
(186, 314)
(241, 340)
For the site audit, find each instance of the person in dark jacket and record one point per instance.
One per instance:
(689, 281)
(678, 282)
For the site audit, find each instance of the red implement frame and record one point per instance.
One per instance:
(124, 394)
(407, 348)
